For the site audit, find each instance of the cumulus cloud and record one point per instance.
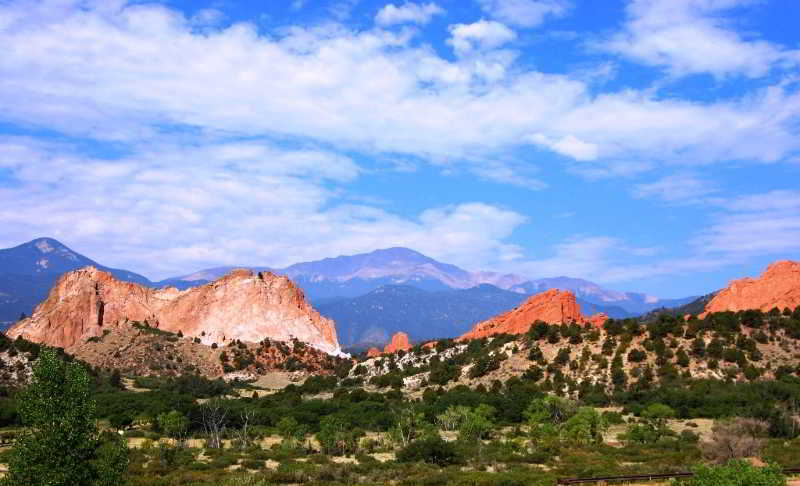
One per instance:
(525, 13)
(414, 13)
(133, 72)
(480, 35)
(692, 36)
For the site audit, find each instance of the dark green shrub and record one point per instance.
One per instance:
(432, 450)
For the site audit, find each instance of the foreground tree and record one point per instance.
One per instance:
(61, 445)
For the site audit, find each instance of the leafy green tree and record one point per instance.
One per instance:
(477, 423)
(587, 426)
(174, 424)
(292, 432)
(451, 418)
(336, 437)
(409, 426)
(549, 409)
(656, 416)
(736, 472)
(61, 446)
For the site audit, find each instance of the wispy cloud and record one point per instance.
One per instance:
(756, 224)
(683, 187)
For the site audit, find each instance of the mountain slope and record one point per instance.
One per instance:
(374, 317)
(28, 271)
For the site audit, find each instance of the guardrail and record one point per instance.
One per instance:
(644, 477)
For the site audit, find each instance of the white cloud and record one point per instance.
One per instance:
(480, 35)
(246, 203)
(126, 72)
(568, 145)
(414, 13)
(525, 13)
(692, 36)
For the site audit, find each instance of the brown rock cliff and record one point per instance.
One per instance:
(240, 305)
(399, 341)
(778, 286)
(552, 306)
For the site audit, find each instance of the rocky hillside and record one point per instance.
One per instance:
(778, 287)
(579, 360)
(552, 306)
(137, 349)
(240, 306)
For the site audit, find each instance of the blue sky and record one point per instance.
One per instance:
(647, 145)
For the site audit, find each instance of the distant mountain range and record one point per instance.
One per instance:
(28, 271)
(356, 275)
(372, 318)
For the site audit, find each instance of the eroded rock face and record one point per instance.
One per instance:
(597, 320)
(778, 286)
(552, 306)
(373, 352)
(241, 305)
(399, 341)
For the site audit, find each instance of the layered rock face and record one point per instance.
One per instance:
(241, 305)
(553, 306)
(399, 341)
(373, 352)
(778, 286)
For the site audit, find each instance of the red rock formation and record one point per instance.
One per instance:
(552, 306)
(778, 286)
(430, 345)
(597, 320)
(240, 305)
(399, 341)
(373, 352)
